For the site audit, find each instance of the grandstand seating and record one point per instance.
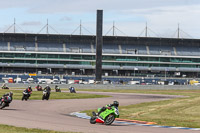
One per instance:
(78, 48)
(50, 47)
(22, 46)
(110, 49)
(188, 51)
(107, 48)
(4, 46)
(134, 49)
(161, 50)
(47, 47)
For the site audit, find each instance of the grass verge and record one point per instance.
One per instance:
(183, 112)
(37, 95)
(13, 129)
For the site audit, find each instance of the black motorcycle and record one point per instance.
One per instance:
(46, 95)
(4, 87)
(26, 96)
(5, 102)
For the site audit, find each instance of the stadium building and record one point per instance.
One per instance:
(75, 54)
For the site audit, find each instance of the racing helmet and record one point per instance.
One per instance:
(115, 103)
(11, 94)
(29, 88)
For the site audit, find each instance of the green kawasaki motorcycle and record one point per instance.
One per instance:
(107, 117)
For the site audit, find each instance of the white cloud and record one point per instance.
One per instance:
(31, 23)
(66, 18)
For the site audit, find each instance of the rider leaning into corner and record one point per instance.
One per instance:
(108, 106)
(28, 89)
(37, 87)
(47, 88)
(7, 94)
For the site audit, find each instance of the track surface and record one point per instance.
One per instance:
(54, 114)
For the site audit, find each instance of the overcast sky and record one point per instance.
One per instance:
(130, 16)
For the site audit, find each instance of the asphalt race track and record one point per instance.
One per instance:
(55, 114)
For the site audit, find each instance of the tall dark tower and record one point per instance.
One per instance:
(99, 44)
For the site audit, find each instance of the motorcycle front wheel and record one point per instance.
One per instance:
(23, 98)
(109, 119)
(43, 97)
(47, 98)
(26, 98)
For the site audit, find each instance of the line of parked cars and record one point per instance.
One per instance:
(138, 81)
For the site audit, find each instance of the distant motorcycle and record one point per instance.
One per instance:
(26, 96)
(58, 89)
(39, 88)
(5, 87)
(45, 95)
(72, 90)
(5, 102)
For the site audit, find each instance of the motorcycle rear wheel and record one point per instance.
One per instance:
(3, 105)
(93, 120)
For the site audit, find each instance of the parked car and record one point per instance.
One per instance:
(56, 81)
(143, 83)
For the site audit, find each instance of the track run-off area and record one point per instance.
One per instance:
(55, 114)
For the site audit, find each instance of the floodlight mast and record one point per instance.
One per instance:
(99, 43)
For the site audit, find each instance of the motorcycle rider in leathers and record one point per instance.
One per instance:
(108, 106)
(5, 95)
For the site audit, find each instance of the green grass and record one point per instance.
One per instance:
(37, 95)
(13, 129)
(184, 112)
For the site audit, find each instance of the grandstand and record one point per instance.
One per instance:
(75, 54)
